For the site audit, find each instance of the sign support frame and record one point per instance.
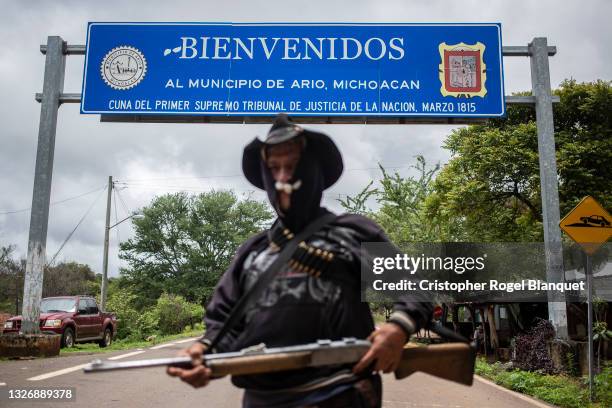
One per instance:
(52, 96)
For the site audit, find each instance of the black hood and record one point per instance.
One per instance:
(306, 200)
(319, 167)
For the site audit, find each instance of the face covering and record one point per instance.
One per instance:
(306, 185)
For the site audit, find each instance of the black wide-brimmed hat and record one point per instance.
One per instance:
(322, 146)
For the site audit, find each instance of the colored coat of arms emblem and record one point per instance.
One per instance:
(462, 71)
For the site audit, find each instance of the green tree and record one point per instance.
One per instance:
(402, 203)
(401, 213)
(11, 281)
(490, 189)
(183, 243)
(67, 279)
(358, 204)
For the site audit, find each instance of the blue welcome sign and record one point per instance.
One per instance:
(226, 69)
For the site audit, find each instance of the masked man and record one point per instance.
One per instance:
(315, 295)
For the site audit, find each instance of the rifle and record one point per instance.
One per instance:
(450, 361)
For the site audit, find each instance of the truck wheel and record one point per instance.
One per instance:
(68, 338)
(107, 339)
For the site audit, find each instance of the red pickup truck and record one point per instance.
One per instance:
(76, 318)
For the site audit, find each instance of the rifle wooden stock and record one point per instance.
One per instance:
(257, 364)
(451, 361)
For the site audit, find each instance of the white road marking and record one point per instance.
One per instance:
(2, 384)
(524, 397)
(133, 353)
(78, 367)
(160, 346)
(186, 340)
(58, 372)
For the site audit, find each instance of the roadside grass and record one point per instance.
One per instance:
(560, 390)
(125, 344)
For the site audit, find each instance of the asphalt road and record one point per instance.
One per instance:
(153, 388)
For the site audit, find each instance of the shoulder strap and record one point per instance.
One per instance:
(268, 276)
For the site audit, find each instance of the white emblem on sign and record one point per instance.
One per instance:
(123, 67)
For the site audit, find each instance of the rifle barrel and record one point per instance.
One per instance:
(99, 365)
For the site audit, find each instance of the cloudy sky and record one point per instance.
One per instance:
(154, 159)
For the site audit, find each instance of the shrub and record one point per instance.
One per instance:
(147, 324)
(532, 349)
(603, 386)
(171, 315)
(120, 303)
(175, 313)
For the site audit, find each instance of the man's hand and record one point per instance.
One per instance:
(387, 346)
(199, 375)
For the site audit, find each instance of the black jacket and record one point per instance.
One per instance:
(313, 299)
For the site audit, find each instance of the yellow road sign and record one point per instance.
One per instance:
(589, 224)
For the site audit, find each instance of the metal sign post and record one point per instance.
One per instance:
(589, 281)
(53, 86)
(590, 225)
(540, 80)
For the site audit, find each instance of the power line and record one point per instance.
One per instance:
(190, 189)
(131, 181)
(75, 228)
(125, 208)
(187, 189)
(179, 178)
(141, 183)
(116, 215)
(5, 212)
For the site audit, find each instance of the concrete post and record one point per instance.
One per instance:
(540, 80)
(53, 86)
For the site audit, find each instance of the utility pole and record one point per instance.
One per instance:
(106, 237)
